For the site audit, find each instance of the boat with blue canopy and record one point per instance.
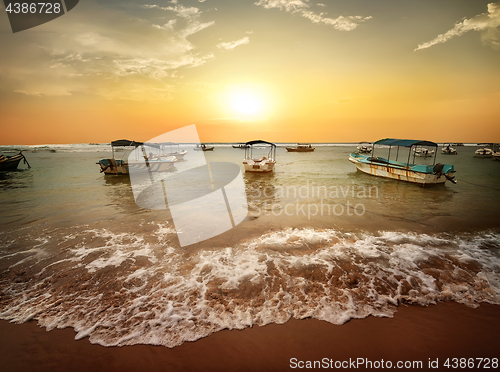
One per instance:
(408, 171)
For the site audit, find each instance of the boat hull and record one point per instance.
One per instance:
(11, 162)
(119, 168)
(292, 149)
(398, 173)
(258, 166)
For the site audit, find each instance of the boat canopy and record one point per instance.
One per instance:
(404, 142)
(250, 143)
(125, 143)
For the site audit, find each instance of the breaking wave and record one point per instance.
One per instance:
(125, 289)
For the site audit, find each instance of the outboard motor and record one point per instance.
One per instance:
(438, 171)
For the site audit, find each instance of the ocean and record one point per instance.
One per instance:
(320, 241)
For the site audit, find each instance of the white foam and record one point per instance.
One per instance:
(123, 289)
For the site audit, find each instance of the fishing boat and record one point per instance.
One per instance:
(203, 147)
(240, 145)
(485, 151)
(448, 150)
(171, 149)
(423, 152)
(113, 166)
(8, 163)
(364, 148)
(403, 171)
(301, 147)
(261, 164)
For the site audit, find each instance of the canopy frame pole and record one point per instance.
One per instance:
(409, 154)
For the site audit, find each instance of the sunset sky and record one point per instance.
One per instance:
(279, 70)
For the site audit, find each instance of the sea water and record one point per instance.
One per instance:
(320, 240)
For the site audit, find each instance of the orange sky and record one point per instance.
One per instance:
(283, 71)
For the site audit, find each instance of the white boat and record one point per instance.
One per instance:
(485, 151)
(152, 162)
(172, 149)
(365, 148)
(259, 164)
(301, 147)
(423, 152)
(404, 171)
(448, 150)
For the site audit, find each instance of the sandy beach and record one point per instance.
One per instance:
(416, 333)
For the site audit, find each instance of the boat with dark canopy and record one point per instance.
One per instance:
(404, 171)
(121, 166)
(261, 164)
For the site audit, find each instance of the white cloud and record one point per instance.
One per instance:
(191, 15)
(301, 7)
(487, 23)
(102, 51)
(233, 44)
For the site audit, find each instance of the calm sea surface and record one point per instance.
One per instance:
(320, 240)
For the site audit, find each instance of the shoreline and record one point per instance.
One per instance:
(415, 333)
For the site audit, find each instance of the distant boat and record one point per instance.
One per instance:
(404, 171)
(423, 152)
(240, 145)
(301, 147)
(8, 163)
(365, 148)
(122, 166)
(262, 164)
(496, 151)
(448, 150)
(485, 151)
(172, 150)
(203, 147)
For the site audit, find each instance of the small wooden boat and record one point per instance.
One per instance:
(263, 164)
(404, 171)
(149, 161)
(301, 147)
(8, 163)
(203, 147)
(448, 150)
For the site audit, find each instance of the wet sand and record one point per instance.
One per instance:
(448, 330)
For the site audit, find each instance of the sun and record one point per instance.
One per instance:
(245, 103)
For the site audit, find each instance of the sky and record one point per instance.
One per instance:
(277, 70)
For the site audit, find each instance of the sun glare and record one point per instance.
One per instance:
(246, 104)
